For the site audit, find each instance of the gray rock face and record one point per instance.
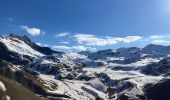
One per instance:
(44, 50)
(160, 68)
(158, 91)
(156, 49)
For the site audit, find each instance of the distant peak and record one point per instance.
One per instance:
(26, 38)
(154, 45)
(23, 38)
(12, 34)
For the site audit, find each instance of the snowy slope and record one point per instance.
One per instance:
(20, 47)
(156, 49)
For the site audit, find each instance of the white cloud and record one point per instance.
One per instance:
(72, 48)
(46, 45)
(159, 37)
(79, 48)
(10, 19)
(62, 34)
(43, 32)
(61, 47)
(155, 37)
(43, 45)
(88, 39)
(91, 48)
(38, 44)
(130, 39)
(161, 41)
(64, 42)
(33, 31)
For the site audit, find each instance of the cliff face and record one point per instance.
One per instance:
(158, 91)
(24, 78)
(15, 91)
(28, 79)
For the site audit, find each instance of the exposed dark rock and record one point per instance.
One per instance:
(123, 97)
(123, 68)
(97, 97)
(44, 50)
(102, 54)
(110, 93)
(159, 68)
(20, 77)
(6, 54)
(156, 49)
(104, 78)
(158, 91)
(125, 85)
(85, 77)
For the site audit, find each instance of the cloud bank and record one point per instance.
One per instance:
(160, 39)
(33, 31)
(62, 34)
(92, 40)
(74, 48)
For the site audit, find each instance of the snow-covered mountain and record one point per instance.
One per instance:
(122, 74)
(156, 49)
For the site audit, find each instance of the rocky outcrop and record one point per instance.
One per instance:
(156, 49)
(3, 95)
(9, 71)
(6, 54)
(13, 57)
(129, 91)
(158, 91)
(44, 50)
(159, 68)
(28, 79)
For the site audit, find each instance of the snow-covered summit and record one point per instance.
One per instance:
(18, 46)
(156, 49)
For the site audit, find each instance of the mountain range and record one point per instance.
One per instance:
(40, 73)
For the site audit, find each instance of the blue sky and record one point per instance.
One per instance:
(88, 24)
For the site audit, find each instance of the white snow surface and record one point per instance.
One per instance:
(2, 87)
(73, 88)
(7, 97)
(143, 62)
(73, 56)
(18, 46)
